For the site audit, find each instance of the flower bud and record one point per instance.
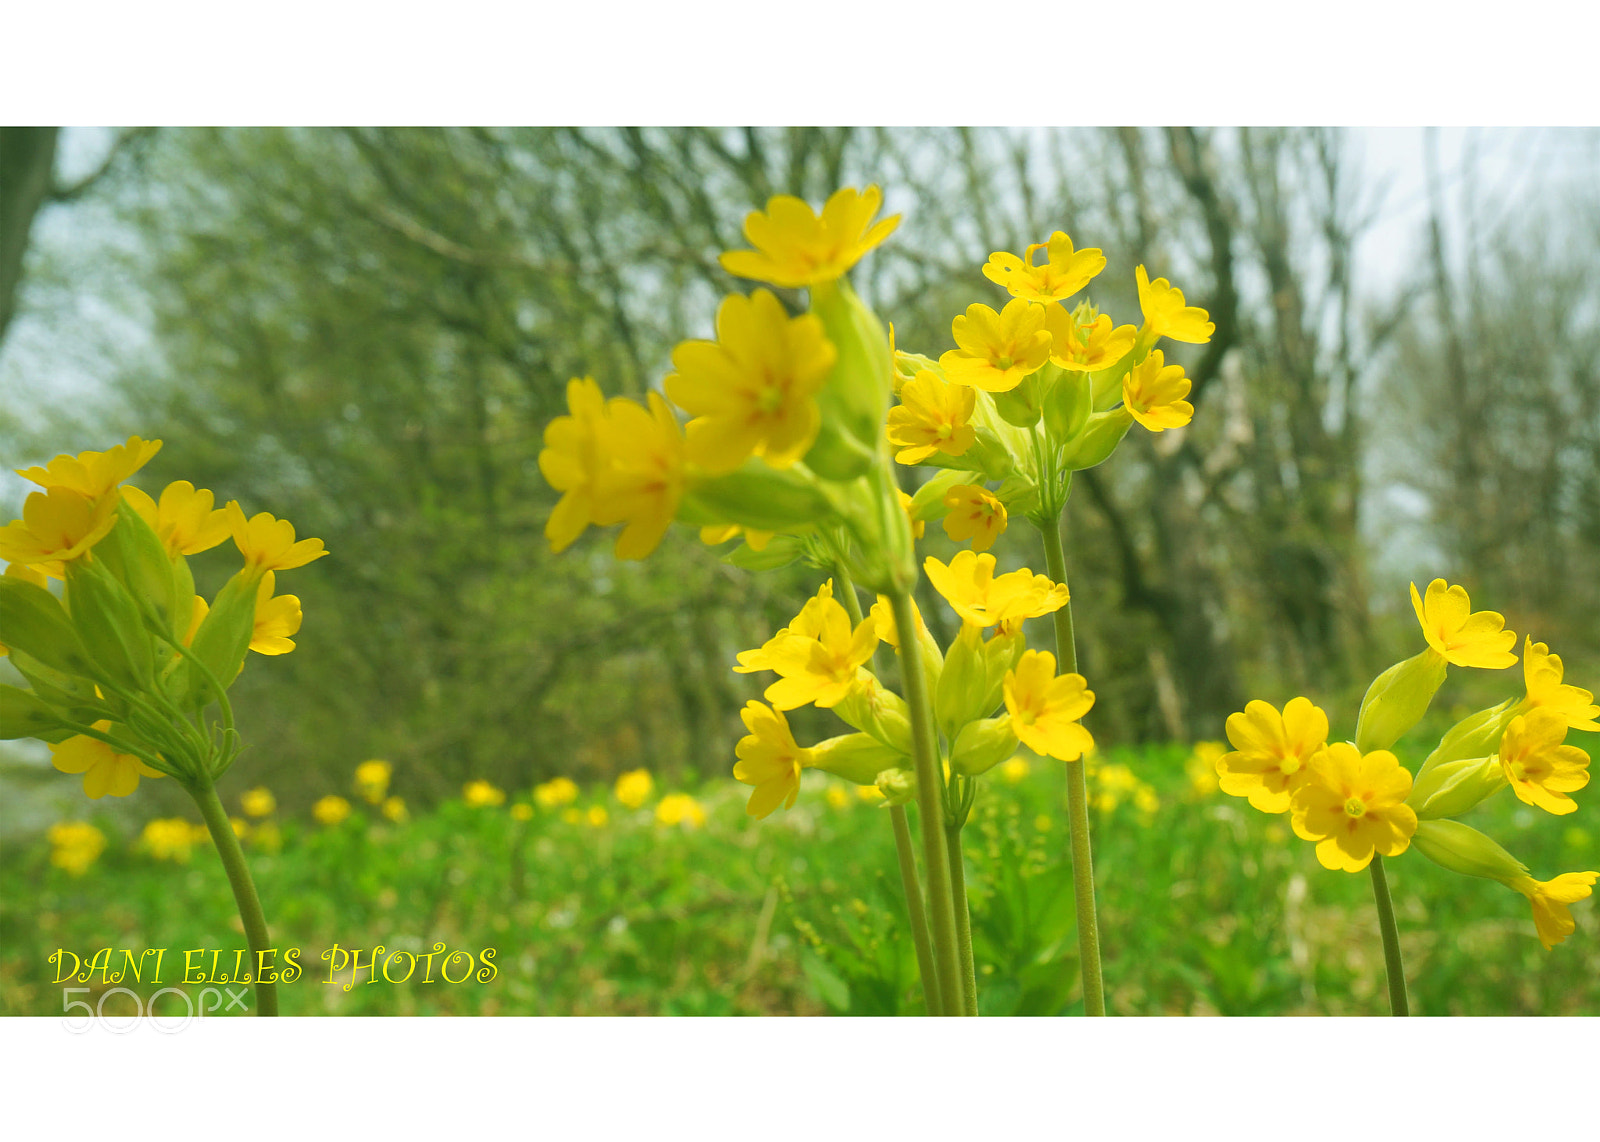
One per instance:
(898, 786)
(1067, 406)
(1099, 439)
(757, 496)
(879, 712)
(856, 397)
(1450, 788)
(1397, 699)
(855, 757)
(108, 620)
(964, 683)
(1463, 849)
(33, 621)
(1020, 494)
(1476, 735)
(1023, 405)
(982, 745)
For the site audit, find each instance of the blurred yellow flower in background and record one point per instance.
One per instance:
(394, 808)
(837, 797)
(1200, 767)
(75, 845)
(372, 779)
(522, 811)
(168, 838)
(598, 817)
(331, 810)
(481, 794)
(257, 802)
(1015, 771)
(680, 809)
(633, 788)
(556, 792)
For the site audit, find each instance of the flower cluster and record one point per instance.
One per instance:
(125, 662)
(1355, 799)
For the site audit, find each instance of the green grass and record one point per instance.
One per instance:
(1206, 907)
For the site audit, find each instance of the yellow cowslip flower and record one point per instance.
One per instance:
(838, 798)
(1154, 394)
(1045, 709)
(997, 350)
(556, 792)
(185, 519)
(75, 845)
(969, 585)
(641, 478)
(105, 771)
(634, 787)
(1086, 348)
(1550, 898)
(769, 759)
(1460, 636)
(570, 462)
(93, 474)
(931, 417)
(597, 817)
(1353, 806)
(1015, 771)
(680, 809)
(57, 526)
(1271, 752)
(481, 794)
(168, 838)
(372, 779)
(522, 811)
(277, 618)
(1542, 673)
(807, 624)
(795, 247)
(721, 533)
(240, 827)
(394, 808)
(975, 514)
(868, 793)
(882, 613)
(918, 526)
(1064, 273)
(1166, 315)
(1541, 769)
(753, 390)
(823, 668)
(267, 543)
(258, 802)
(331, 810)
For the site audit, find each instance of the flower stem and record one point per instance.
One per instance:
(1395, 970)
(1094, 994)
(958, 889)
(244, 889)
(930, 806)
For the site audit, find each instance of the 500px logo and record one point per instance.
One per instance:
(81, 1015)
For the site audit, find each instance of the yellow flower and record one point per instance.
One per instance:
(1064, 273)
(597, 816)
(997, 350)
(1353, 806)
(969, 585)
(680, 809)
(240, 827)
(642, 480)
(1463, 638)
(753, 390)
(372, 779)
(769, 759)
(555, 793)
(185, 520)
(1154, 395)
(931, 417)
(570, 462)
(1086, 348)
(268, 543)
(882, 613)
(806, 624)
(794, 247)
(394, 808)
(169, 838)
(1045, 709)
(1201, 767)
(1541, 770)
(57, 526)
(93, 474)
(277, 618)
(975, 514)
(868, 793)
(1551, 916)
(482, 795)
(918, 526)
(522, 811)
(1542, 672)
(1166, 315)
(104, 769)
(714, 534)
(74, 846)
(258, 802)
(838, 798)
(820, 668)
(633, 788)
(1015, 771)
(1271, 752)
(331, 810)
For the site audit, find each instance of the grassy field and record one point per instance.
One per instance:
(594, 908)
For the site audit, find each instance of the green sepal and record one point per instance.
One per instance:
(879, 712)
(72, 696)
(1476, 735)
(1463, 849)
(757, 496)
(963, 684)
(927, 503)
(856, 395)
(33, 620)
(982, 745)
(1397, 699)
(1067, 406)
(780, 551)
(1099, 439)
(1023, 405)
(108, 619)
(135, 556)
(1452, 788)
(23, 715)
(223, 638)
(855, 757)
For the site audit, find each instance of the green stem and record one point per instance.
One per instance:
(958, 888)
(930, 805)
(1395, 970)
(914, 906)
(1094, 992)
(244, 889)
